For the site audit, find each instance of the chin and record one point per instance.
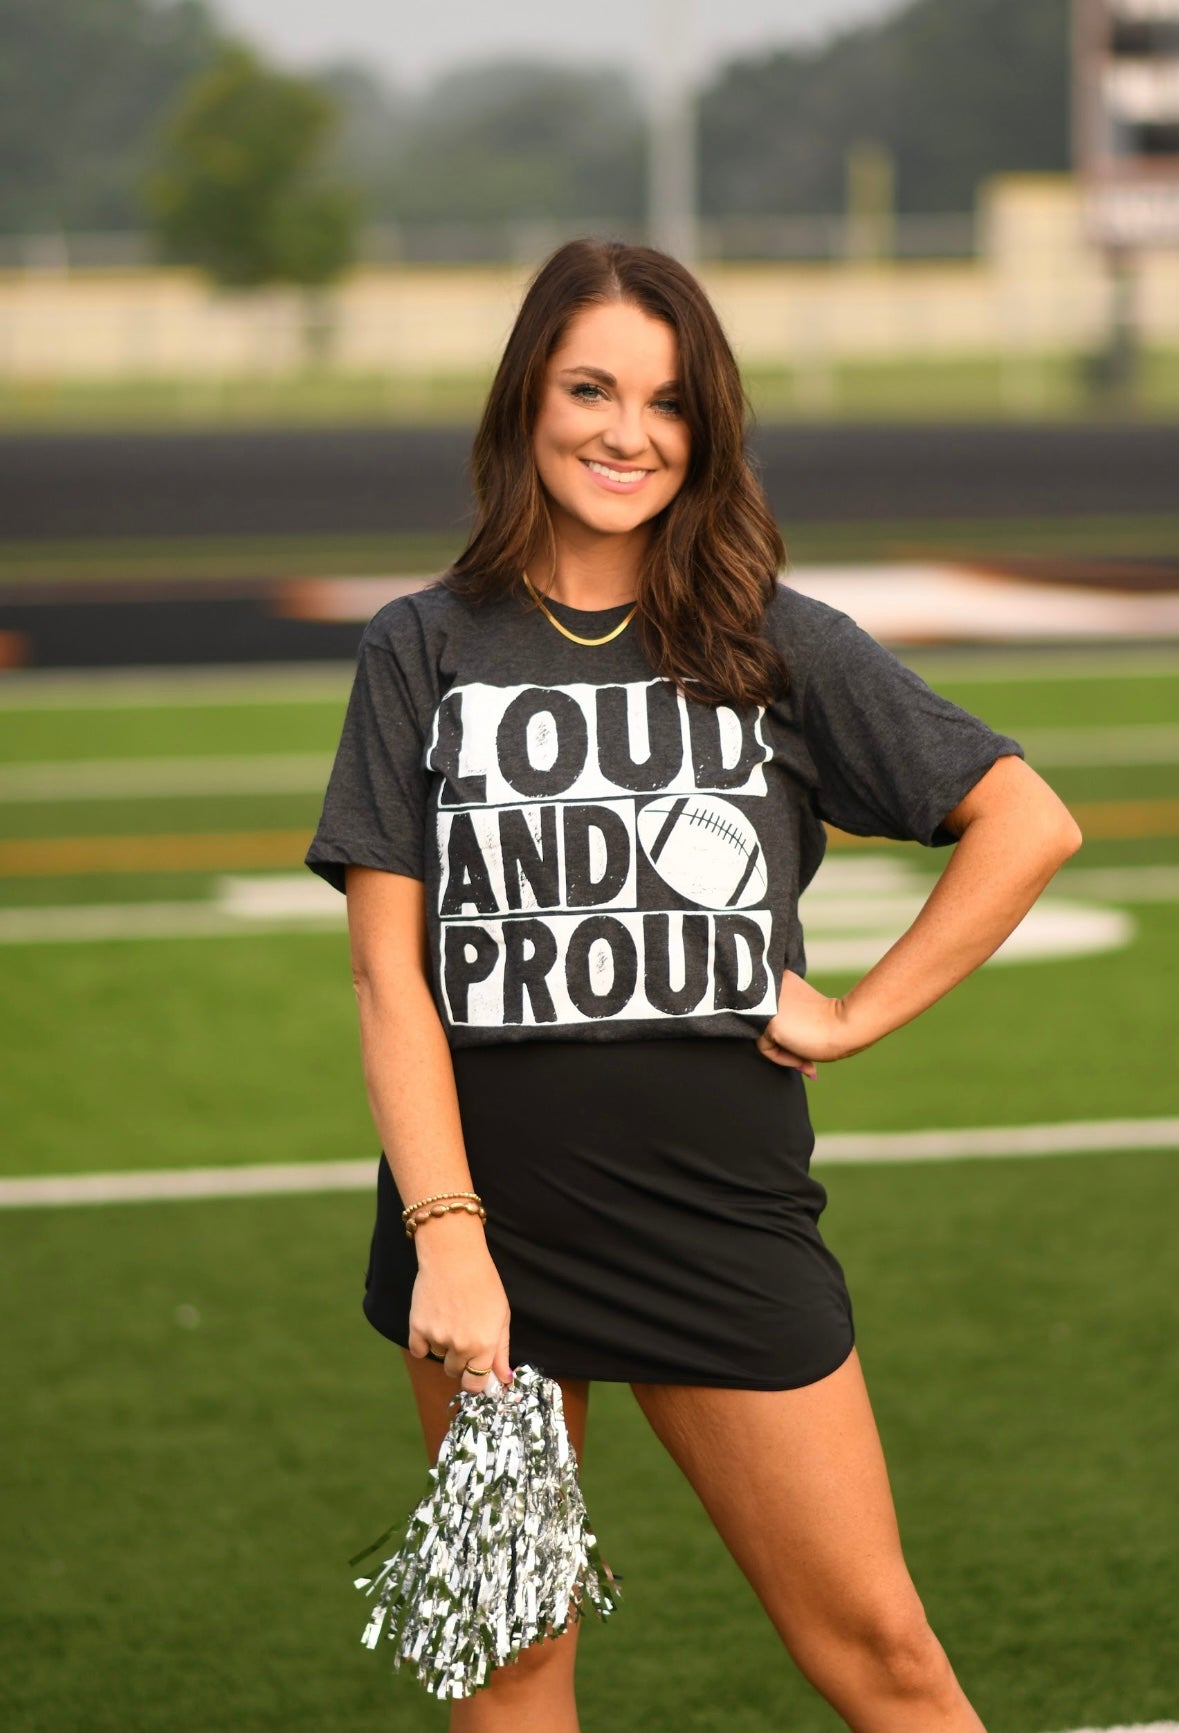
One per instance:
(615, 523)
(619, 520)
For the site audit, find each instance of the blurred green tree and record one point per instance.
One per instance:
(240, 189)
(954, 91)
(519, 140)
(82, 85)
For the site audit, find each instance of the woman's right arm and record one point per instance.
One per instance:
(459, 1305)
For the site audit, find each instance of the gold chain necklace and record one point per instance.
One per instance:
(564, 630)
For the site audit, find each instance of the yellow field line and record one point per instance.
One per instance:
(1097, 818)
(1130, 818)
(229, 850)
(180, 852)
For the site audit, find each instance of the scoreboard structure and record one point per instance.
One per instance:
(1126, 121)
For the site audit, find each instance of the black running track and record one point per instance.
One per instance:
(319, 483)
(381, 481)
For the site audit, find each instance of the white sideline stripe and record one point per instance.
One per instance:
(1070, 1137)
(288, 1179)
(1135, 1727)
(161, 1185)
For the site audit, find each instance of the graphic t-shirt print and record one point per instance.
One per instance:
(599, 854)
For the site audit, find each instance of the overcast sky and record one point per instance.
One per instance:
(408, 43)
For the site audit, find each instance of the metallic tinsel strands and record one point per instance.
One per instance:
(498, 1554)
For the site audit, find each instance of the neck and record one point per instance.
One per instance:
(591, 571)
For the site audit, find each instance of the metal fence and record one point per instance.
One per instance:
(829, 236)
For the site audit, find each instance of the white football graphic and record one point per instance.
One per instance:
(705, 848)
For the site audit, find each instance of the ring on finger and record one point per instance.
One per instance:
(477, 1371)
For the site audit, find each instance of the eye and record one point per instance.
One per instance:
(577, 390)
(668, 405)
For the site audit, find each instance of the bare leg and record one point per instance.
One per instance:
(535, 1693)
(796, 1485)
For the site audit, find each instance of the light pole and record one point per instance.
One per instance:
(671, 156)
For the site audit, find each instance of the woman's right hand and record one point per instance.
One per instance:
(459, 1308)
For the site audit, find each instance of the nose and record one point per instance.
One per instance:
(625, 433)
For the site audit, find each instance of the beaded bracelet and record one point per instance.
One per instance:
(437, 1198)
(442, 1209)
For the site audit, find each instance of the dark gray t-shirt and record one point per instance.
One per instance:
(602, 858)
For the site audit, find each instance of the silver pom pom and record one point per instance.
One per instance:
(499, 1554)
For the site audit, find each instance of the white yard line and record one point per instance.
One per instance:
(842, 936)
(1008, 666)
(307, 772)
(328, 682)
(856, 908)
(150, 778)
(1132, 884)
(900, 601)
(288, 1179)
(171, 688)
(72, 923)
(1135, 743)
(914, 602)
(853, 912)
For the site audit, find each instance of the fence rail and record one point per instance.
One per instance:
(824, 236)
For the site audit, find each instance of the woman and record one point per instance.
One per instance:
(581, 782)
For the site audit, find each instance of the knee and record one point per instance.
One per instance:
(882, 1652)
(547, 1664)
(905, 1658)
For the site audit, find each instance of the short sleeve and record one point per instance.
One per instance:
(375, 806)
(893, 756)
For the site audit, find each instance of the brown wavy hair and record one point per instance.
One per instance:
(712, 563)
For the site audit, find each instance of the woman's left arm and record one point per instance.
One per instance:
(1014, 832)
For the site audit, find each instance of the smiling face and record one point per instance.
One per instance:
(610, 443)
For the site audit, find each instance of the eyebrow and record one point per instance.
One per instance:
(609, 379)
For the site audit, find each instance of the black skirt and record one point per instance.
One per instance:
(651, 1213)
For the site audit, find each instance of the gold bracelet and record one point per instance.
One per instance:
(437, 1198)
(444, 1209)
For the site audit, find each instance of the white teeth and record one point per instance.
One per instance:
(615, 474)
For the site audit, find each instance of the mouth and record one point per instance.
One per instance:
(616, 479)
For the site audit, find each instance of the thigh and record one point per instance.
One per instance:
(536, 1690)
(434, 1390)
(796, 1484)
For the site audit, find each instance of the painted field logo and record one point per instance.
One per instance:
(594, 860)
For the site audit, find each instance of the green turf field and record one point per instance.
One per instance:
(201, 1426)
(1054, 384)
